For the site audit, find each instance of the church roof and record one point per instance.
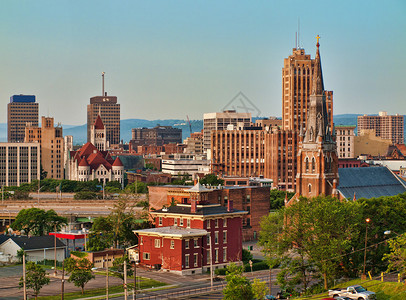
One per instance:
(117, 163)
(369, 182)
(83, 163)
(98, 124)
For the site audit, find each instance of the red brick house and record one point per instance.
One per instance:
(253, 199)
(181, 240)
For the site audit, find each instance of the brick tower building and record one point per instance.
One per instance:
(317, 156)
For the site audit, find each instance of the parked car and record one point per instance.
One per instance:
(353, 292)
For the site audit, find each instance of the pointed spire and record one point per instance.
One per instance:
(354, 198)
(317, 84)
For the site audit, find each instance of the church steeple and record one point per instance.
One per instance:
(317, 157)
(317, 119)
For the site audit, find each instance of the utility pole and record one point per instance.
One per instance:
(55, 249)
(135, 281)
(63, 280)
(125, 278)
(107, 277)
(24, 283)
(211, 263)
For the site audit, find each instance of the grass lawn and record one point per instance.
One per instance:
(142, 283)
(383, 290)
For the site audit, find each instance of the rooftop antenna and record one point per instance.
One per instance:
(298, 32)
(296, 39)
(103, 83)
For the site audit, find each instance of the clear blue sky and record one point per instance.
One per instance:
(169, 59)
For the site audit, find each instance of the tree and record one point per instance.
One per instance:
(238, 286)
(246, 256)
(259, 288)
(80, 271)
(397, 255)
(35, 278)
(211, 179)
(277, 198)
(118, 266)
(310, 236)
(38, 221)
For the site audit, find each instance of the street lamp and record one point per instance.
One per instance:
(367, 220)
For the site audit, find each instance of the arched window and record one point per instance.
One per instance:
(310, 188)
(313, 165)
(307, 164)
(330, 162)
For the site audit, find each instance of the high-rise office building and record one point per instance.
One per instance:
(109, 111)
(220, 121)
(345, 140)
(386, 126)
(297, 74)
(52, 146)
(21, 110)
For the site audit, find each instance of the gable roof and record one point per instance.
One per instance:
(369, 182)
(117, 163)
(36, 242)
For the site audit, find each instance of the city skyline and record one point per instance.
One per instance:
(167, 61)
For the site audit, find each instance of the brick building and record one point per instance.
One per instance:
(194, 143)
(51, 140)
(253, 199)
(255, 153)
(190, 238)
(157, 136)
(386, 126)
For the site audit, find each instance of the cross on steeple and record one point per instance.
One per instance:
(317, 38)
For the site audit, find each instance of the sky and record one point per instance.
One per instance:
(172, 59)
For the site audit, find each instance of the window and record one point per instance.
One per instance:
(188, 223)
(208, 224)
(216, 237)
(157, 243)
(175, 221)
(307, 165)
(195, 259)
(181, 221)
(216, 255)
(248, 198)
(172, 244)
(224, 222)
(196, 243)
(225, 237)
(216, 222)
(313, 165)
(208, 239)
(146, 256)
(186, 244)
(225, 200)
(208, 256)
(224, 254)
(160, 221)
(187, 261)
(310, 188)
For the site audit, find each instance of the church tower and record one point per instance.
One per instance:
(317, 156)
(98, 134)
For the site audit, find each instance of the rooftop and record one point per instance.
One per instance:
(173, 231)
(369, 182)
(201, 210)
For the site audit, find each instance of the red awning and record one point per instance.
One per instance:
(69, 235)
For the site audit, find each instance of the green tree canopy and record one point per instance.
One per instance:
(238, 286)
(37, 221)
(397, 255)
(211, 179)
(80, 271)
(35, 278)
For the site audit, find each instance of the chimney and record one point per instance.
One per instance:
(193, 206)
(230, 206)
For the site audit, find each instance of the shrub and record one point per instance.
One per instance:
(87, 195)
